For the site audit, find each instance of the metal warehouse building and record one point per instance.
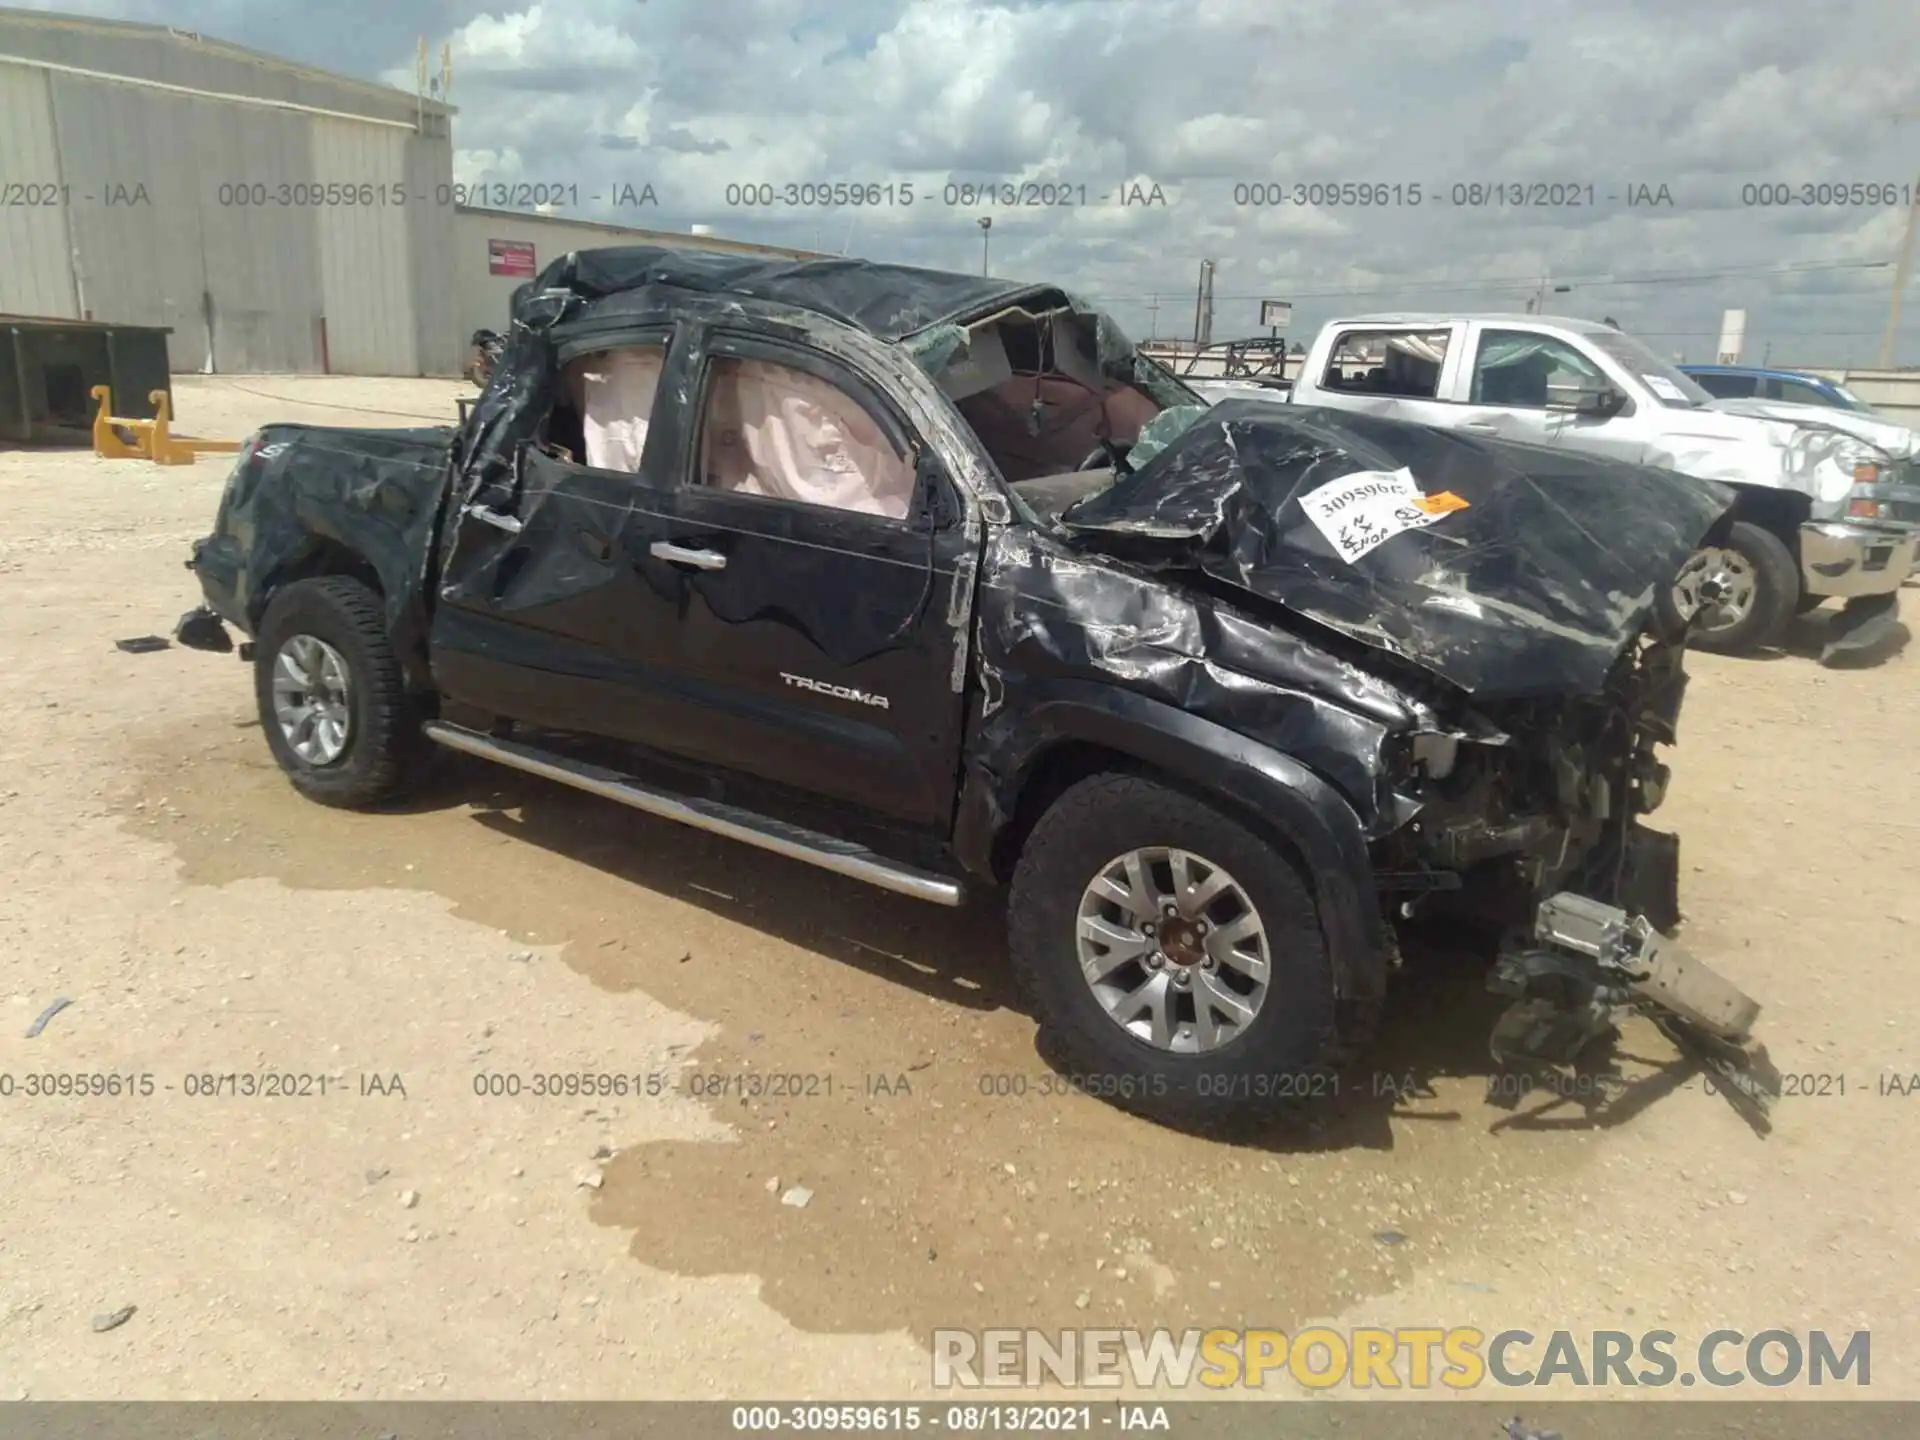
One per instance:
(154, 176)
(162, 178)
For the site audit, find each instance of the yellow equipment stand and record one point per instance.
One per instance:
(152, 439)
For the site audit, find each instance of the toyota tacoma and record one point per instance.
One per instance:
(934, 581)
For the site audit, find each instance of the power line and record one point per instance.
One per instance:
(1442, 285)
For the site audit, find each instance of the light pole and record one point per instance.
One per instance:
(986, 227)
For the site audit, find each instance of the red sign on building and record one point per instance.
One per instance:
(510, 257)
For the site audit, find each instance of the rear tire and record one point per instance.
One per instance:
(1288, 1049)
(323, 651)
(1765, 575)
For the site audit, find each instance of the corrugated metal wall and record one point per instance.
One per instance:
(365, 272)
(166, 223)
(430, 237)
(183, 58)
(35, 272)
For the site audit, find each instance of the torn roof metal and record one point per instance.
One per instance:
(889, 302)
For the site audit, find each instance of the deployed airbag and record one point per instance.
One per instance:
(616, 390)
(786, 434)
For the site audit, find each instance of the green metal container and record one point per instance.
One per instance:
(48, 368)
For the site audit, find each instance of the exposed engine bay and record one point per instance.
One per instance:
(1532, 820)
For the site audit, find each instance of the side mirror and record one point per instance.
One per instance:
(1584, 395)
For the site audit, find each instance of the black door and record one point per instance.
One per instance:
(810, 550)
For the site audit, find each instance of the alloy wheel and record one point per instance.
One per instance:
(1173, 949)
(312, 699)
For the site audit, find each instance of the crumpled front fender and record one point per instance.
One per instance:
(1270, 791)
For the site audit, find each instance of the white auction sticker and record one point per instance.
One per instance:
(1664, 387)
(1362, 511)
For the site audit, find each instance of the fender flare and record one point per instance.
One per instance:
(1253, 782)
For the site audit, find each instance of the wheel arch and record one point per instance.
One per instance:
(323, 556)
(1081, 731)
(1779, 512)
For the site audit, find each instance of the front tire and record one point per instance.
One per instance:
(332, 696)
(1761, 590)
(1220, 1003)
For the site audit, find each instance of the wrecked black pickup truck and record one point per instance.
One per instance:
(931, 580)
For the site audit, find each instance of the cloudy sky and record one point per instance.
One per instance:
(1206, 99)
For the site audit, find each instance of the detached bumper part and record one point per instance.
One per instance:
(1862, 624)
(1654, 967)
(201, 629)
(1586, 960)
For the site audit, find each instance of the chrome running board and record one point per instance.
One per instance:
(840, 856)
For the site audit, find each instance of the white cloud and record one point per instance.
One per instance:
(1196, 95)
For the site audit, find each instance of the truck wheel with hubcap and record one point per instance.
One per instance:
(1757, 585)
(332, 697)
(1174, 955)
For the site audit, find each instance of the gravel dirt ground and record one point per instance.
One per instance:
(388, 1232)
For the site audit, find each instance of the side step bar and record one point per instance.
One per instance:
(840, 856)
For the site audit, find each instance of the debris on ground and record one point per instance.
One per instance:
(592, 1179)
(47, 1014)
(409, 1198)
(1389, 1237)
(374, 1177)
(797, 1197)
(143, 644)
(113, 1320)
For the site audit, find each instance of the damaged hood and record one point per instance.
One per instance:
(1506, 569)
(1896, 441)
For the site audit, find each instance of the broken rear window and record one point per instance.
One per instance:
(1403, 363)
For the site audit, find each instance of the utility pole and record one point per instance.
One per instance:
(986, 226)
(1903, 265)
(1153, 311)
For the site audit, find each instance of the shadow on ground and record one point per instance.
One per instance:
(870, 1050)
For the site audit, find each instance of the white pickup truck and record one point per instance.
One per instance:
(1817, 512)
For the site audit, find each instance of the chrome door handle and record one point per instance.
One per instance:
(494, 518)
(1483, 425)
(679, 555)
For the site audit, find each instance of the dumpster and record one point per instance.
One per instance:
(49, 366)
